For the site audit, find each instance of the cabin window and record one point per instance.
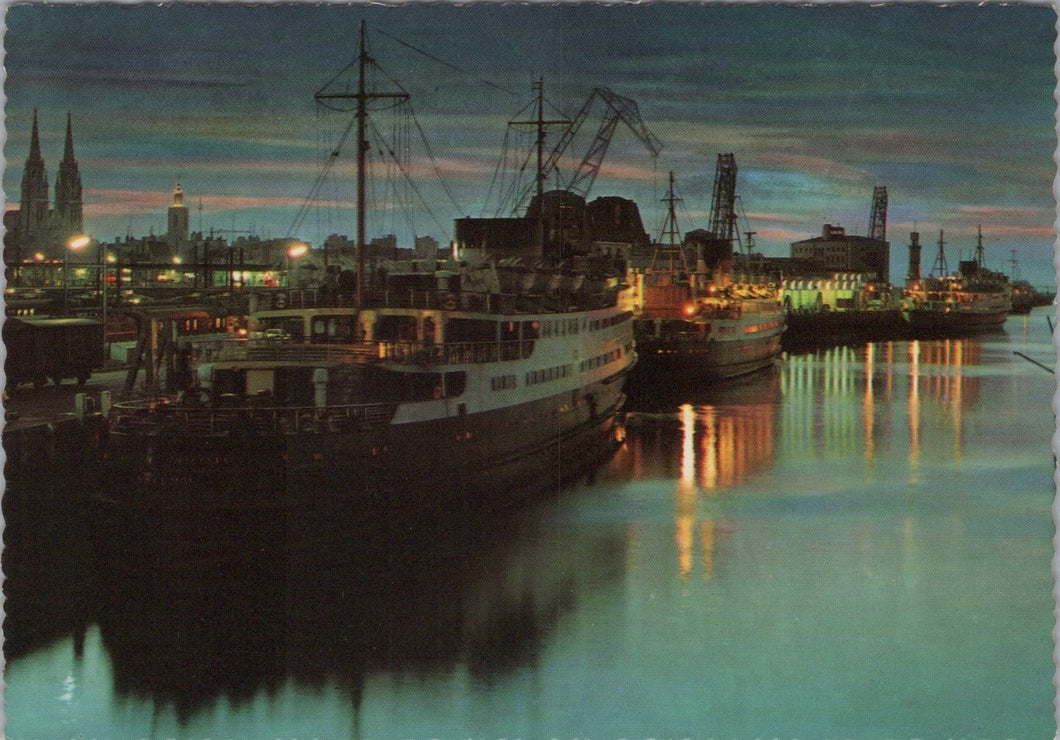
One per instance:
(396, 328)
(455, 383)
(229, 383)
(333, 329)
(470, 330)
(531, 329)
(502, 382)
(293, 386)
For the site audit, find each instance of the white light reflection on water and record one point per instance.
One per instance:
(856, 545)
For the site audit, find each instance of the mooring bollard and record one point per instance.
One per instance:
(104, 402)
(80, 406)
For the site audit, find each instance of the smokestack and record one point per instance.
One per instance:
(914, 256)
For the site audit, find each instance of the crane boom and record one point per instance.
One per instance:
(617, 110)
(723, 207)
(878, 217)
(622, 110)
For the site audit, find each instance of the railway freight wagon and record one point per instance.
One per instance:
(39, 349)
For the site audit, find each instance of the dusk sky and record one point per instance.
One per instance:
(951, 108)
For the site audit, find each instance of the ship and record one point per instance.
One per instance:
(974, 300)
(501, 365)
(1026, 297)
(694, 324)
(844, 309)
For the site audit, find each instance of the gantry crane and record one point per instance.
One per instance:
(723, 206)
(878, 217)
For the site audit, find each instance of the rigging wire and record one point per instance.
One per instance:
(445, 63)
(319, 182)
(390, 151)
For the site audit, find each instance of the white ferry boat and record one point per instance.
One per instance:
(486, 373)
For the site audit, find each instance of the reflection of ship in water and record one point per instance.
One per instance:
(49, 584)
(854, 381)
(707, 443)
(731, 427)
(476, 595)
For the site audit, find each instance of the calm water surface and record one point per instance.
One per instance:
(856, 545)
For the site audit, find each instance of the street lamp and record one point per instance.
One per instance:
(294, 251)
(74, 244)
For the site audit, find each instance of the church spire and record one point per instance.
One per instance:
(33, 206)
(68, 151)
(34, 142)
(68, 205)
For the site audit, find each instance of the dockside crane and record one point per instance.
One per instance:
(878, 216)
(617, 109)
(723, 204)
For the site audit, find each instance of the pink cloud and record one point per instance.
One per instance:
(780, 235)
(768, 217)
(121, 202)
(1003, 212)
(1030, 231)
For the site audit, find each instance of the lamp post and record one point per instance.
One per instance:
(294, 251)
(74, 244)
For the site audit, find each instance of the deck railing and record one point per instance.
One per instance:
(401, 352)
(185, 418)
(491, 303)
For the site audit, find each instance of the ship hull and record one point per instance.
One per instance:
(937, 324)
(706, 360)
(414, 465)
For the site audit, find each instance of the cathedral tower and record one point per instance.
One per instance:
(33, 207)
(68, 216)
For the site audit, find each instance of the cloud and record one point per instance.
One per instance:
(805, 163)
(1005, 213)
(780, 235)
(120, 202)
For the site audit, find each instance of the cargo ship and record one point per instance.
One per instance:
(974, 300)
(503, 364)
(694, 324)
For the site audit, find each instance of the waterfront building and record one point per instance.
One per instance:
(426, 248)
(836, 251)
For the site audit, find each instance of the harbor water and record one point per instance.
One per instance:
(855, 544)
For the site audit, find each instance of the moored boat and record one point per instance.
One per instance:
(473, 380)
(974, 300)
(695, 324)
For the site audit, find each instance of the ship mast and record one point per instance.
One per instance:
(671, 232)
(540, 123)
(979, 258)
(362, 96)
(940, 261)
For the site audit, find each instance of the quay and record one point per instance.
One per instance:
(52, 436)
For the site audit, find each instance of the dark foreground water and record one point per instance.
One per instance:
(857, 545)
